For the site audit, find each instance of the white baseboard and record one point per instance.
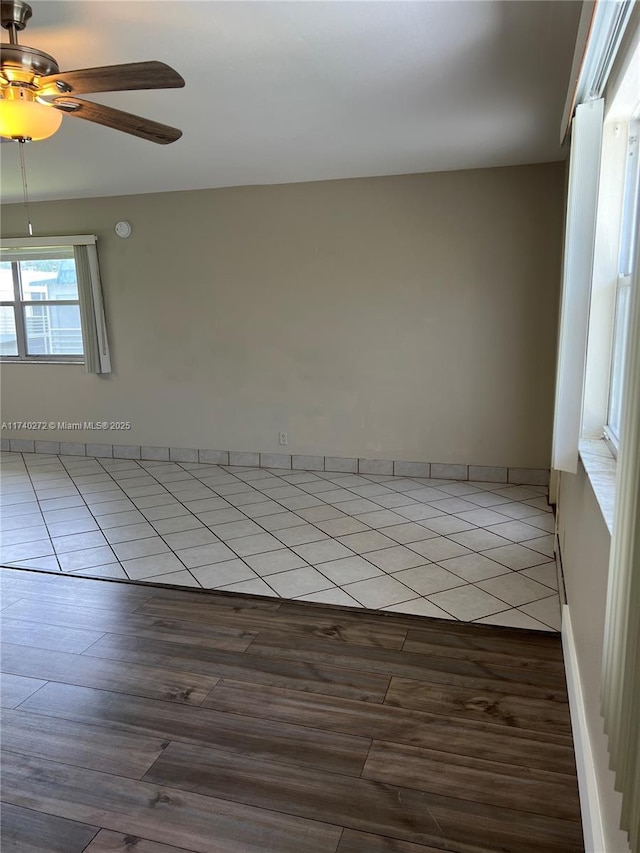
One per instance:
(587, 783)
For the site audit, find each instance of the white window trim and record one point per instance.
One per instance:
(96, 356)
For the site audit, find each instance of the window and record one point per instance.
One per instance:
(51, 302)
(628, 235)
(41, 306)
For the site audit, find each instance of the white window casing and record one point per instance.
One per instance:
(580, 232)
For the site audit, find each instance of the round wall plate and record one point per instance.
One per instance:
(123, 229)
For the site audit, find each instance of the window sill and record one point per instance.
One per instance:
(39, 361)
(600, 466)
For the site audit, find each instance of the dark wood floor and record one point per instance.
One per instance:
(154, 720)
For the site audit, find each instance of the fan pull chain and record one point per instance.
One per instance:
(23, 169)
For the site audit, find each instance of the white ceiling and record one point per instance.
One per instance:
(300, 91)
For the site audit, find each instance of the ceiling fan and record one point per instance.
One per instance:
(35, 94)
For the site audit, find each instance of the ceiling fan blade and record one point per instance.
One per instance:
(115, 78)
(163, 134)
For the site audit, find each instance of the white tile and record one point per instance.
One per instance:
(300, 502)
(396, 558)
(68, 528)
(419, 607)
(340, 463)
(395, 499)
(156, 453)
(298, 582)
(516, 556)
(409, 532)
(308, 463)
(515, 531)
(183, 454)
(426, 580)
(203, 555)
(514, 588)
(380, 518)
(261, 509)
(108, 507)
(247, 545)
(530, 476)
(371, 490)
(545, 521)
(439, 548)
(379, 592)
(349, 570)
(129, 532)
(21, 445)
(488, 499)
(547, 574)
(275, 460)
(182, 578)
(478, 540)
(71, 561)
(482, 517)
(375, 466)
(110, 570)
(274, 561)
(547, 610)
(120, 519)
(156, 513)
(281, 521)
(45, 564)
(126, 451)
(330, 596)
(474, 567)
(411, 469)
(47, 447)
(77, 541)
(449, 472)
(300, 535)
(459, 490)
(361, 543)
(236, 529)
(355, 506)
(244, 459)
(342, 526)
(488, 473)
(517, 493)
(445, 525)
(514, 619)
(543, 544)
(145, 567)
(217, 457)
(425, 494)
(139, 548)
(467, 602)
(99, 450)
(23, 534)
(250, 587)
(323, 552)
(221, 574)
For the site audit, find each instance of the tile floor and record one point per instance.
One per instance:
(480, 552)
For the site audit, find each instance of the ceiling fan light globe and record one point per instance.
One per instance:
(26, 119)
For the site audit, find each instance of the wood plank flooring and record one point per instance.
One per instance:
(140, 717)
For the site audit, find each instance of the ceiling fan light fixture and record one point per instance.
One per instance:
(22, 117)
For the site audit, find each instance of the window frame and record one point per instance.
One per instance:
(62, 242)
(624, 280)
(19, 304)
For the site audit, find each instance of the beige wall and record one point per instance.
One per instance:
(584, 543)
(409, 317)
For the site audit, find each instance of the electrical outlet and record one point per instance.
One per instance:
(283, 438)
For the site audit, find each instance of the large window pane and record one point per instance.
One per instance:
(6, 282)
(53, 329)
(623, 305)
(8, 337)
(46, 280)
